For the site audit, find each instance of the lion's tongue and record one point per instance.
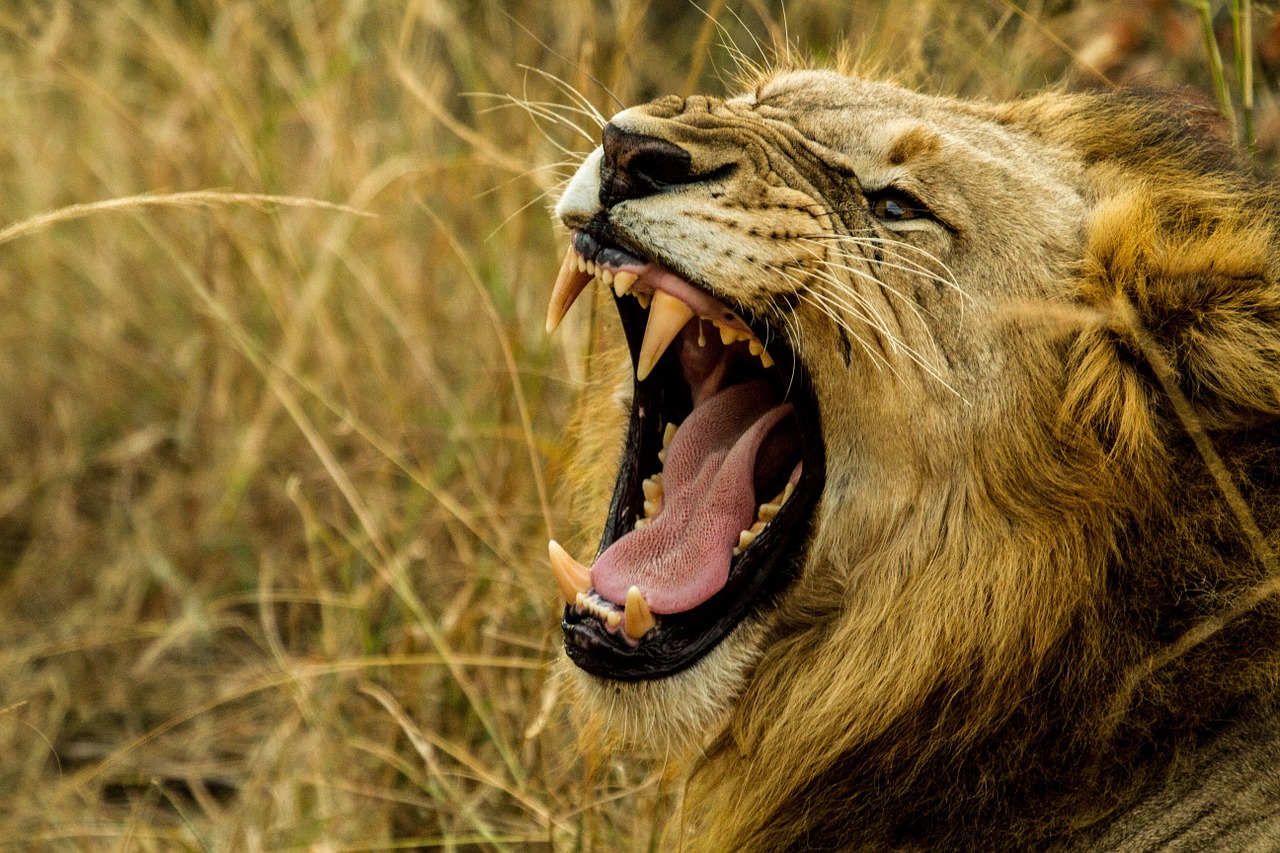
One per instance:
(682, 558)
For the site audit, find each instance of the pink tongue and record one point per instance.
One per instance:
(682, 558)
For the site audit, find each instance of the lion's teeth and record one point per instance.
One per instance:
(651, 508)
(582, 263)
(786, 493)
(667, 316)
(613, 619)
(766, 359)
(604, 275)
(727, 335)
(573, 578)
(622, 282)
(668, 434)
(754, 346)
(641, 523)
(769, 511)
(745, 538)
(637, 619)
(652, 489)
(569, 283)
(643, 298)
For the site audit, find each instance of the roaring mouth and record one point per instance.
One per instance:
(721, 472)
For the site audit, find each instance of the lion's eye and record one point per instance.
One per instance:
(895, 206)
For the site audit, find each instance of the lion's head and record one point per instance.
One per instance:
(911, 485)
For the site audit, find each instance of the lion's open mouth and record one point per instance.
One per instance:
(722, 469)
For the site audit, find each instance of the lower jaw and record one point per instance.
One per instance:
(756, 579)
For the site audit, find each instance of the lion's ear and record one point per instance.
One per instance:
(1186, 288)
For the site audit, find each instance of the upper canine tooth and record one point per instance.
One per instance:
(667, 316)
(573, 578)
(569, 283)
(637, 618)
(622, 282)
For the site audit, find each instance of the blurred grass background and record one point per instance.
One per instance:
(276, 404)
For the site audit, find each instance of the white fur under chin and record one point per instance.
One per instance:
(675, 715)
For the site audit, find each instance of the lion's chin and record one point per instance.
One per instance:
(672, 717)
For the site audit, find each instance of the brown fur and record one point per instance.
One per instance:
(1017, 520)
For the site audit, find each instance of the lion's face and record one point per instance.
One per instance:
(824, 285)
(813, 279)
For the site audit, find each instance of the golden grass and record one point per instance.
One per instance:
(277, 401)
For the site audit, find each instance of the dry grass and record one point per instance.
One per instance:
(277, 400)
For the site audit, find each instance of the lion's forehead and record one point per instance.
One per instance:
(877, 130)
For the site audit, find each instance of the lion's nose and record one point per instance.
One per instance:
(636, 165)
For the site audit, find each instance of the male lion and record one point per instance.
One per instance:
(949, 474)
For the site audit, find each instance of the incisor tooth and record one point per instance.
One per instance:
(637, 619)
(622, 282)
(573, 578)
(667, 317)
(605, 276)
(727, 335)
(569, 283)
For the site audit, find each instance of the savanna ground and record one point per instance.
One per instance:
(277, 409)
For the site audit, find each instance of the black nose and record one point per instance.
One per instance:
(636, 165)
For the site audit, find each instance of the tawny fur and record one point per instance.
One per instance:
(1016, 519)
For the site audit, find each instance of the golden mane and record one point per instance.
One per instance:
(1078, 608)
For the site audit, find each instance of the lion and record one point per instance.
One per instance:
(945, 468)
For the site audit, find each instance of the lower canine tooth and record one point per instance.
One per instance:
(637, 619)
(667, 317)
(573, 578)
